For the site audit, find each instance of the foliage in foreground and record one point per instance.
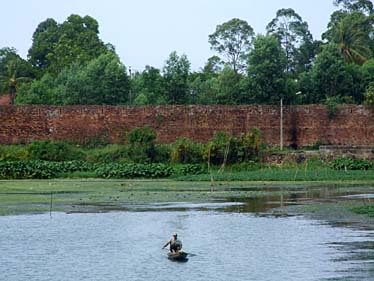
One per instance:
(39, 169)
(347, 163)
(128, 171)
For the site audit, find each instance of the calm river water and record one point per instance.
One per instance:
(224, 246)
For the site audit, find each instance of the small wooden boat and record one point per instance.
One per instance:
(178, 256)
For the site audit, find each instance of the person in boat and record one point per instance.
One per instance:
(175, 244)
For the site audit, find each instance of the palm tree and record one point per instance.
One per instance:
(11, 81)
(352, 42)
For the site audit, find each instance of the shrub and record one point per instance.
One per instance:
(248, 146)
(72, 166)
(143, 135)
(13, 153)
(185, 151)
(245, 166)
(141, 144)
(332, 106)
(218, 148)
(346, 163)
(132, 170)
(39, 169)
(225, 148)
(26, 170)
(109, 154)
(53, 151)
(100, 139)
(162, 153)
(369, 95)
(191, 169)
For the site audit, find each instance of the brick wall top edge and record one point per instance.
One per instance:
(174, 106)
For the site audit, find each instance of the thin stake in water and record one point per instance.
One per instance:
(50, 206)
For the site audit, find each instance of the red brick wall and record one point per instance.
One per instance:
(303, 125)
(5, 99)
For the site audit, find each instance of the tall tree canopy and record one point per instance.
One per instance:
(363, 6)
(267, 61)
(352, 29)
(294, 36)
(353, 42)
(13, 71)
(103, 80)
(56, 46)
(233, 40)
(326, 78)
(149, 87)
(176, 72)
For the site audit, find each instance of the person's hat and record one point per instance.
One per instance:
(175, 234)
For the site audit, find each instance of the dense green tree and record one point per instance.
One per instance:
(40, 91)
(107, 79)
(103, 80)
(352, 28)
(13, 72)
(369, 95)
(229, 87)
(213, 66)
(149, 87)
(363, 6)
(352, 40)
(223, 87)
(368, 72)
(45, 38)
(233, 40)
(330, 78)
(204, 85)
(266, 76)
(56, 46)
(176, 72)
(205, 90)
(295, 38)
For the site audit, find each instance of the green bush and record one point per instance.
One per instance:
(26, 170)
(162, 153)
(131, 170)
(332, 106)
(108, 154)
(53, 151)
(245, 166)
(191, 169)
(143, 135)
(185, 151)
(40, 169)
(219, 148)
(248, 146)
(142, 145)
(13, 153)
(346, 163)
(369, 95)
(72, 166)
(224, 147)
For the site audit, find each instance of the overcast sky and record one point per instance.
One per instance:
(145, 32)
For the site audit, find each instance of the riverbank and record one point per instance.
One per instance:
(325, 200)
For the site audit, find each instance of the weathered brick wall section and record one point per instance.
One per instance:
(303, 125)
(5, 99)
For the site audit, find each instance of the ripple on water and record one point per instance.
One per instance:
(224, 246)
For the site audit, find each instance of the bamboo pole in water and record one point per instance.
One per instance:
(50, 207)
